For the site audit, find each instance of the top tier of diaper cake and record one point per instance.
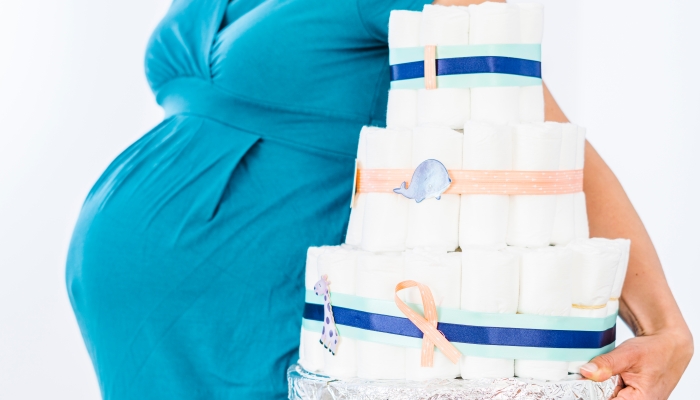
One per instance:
(467, 252)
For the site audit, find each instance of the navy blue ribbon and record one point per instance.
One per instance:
(470, 65)
(556, 339)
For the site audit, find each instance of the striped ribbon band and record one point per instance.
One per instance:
(467, 66)
(479, 182)
(519, 336)
(458, 333)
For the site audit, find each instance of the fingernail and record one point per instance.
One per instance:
(590, 367)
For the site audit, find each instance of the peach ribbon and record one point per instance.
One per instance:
(430, 67)
(479, 182)
(428, 325)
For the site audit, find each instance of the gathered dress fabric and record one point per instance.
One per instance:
(186, 266)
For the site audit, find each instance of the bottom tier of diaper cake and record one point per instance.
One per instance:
(304, 385)
(422, 315)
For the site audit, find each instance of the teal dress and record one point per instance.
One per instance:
(186, 265)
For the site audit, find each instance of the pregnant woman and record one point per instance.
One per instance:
(186, 266)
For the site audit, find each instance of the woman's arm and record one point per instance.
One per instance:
(652, 363)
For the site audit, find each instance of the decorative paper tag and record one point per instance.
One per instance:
(430, 179)
(329, 333)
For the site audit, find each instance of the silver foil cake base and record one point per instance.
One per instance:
(304, 385)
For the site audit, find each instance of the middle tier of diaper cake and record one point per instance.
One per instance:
(468, 251)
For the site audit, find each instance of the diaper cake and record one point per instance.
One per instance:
(467, 253)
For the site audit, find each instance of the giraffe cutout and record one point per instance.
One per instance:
(329, 335)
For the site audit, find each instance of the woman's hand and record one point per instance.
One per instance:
(463, 2)
(650, 366)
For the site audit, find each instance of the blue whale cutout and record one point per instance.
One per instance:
(430, 179)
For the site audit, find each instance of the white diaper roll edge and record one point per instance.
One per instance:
(377, 277)
(404, 28)
(341, 267)
(385, 224)
(449, 107)
(620, 274)
(564, 230)
(495, 23)
(353, 237)
(402, 109)
(581, 214)
(545, 289)
(490, 283)
(440, 271)
(536, 147)
(483, 219)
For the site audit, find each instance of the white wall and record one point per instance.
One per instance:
(73, 95)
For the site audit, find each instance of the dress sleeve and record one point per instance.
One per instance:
(375, 14)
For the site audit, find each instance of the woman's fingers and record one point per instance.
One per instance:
(629, 393)
(650, 366)
(614, 363)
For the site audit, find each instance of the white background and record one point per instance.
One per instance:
(73, 95)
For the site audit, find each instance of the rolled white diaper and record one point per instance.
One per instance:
(531, 27)
(344, 363)
(444, 26)
(377, 277)
(495, 23)
(580, 213)
(311, 351)
(386, 214)
(434, 223)
(340, 265)
(380, 361)
(353, 236)
(312, 276)
(536, 147)
(531, 22)
(594, 268)
(483, 218)
(440, 270)
(442, 367)
(545, 289)
(445, 106)
(545, 281)
(404, 28)
(620, 274)
(532, 103)
(402, 107)
(564, 230)
(378, 274)
(490, 283)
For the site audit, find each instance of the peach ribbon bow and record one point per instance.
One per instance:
(428, 325)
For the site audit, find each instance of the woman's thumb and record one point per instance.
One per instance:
(607, 365)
